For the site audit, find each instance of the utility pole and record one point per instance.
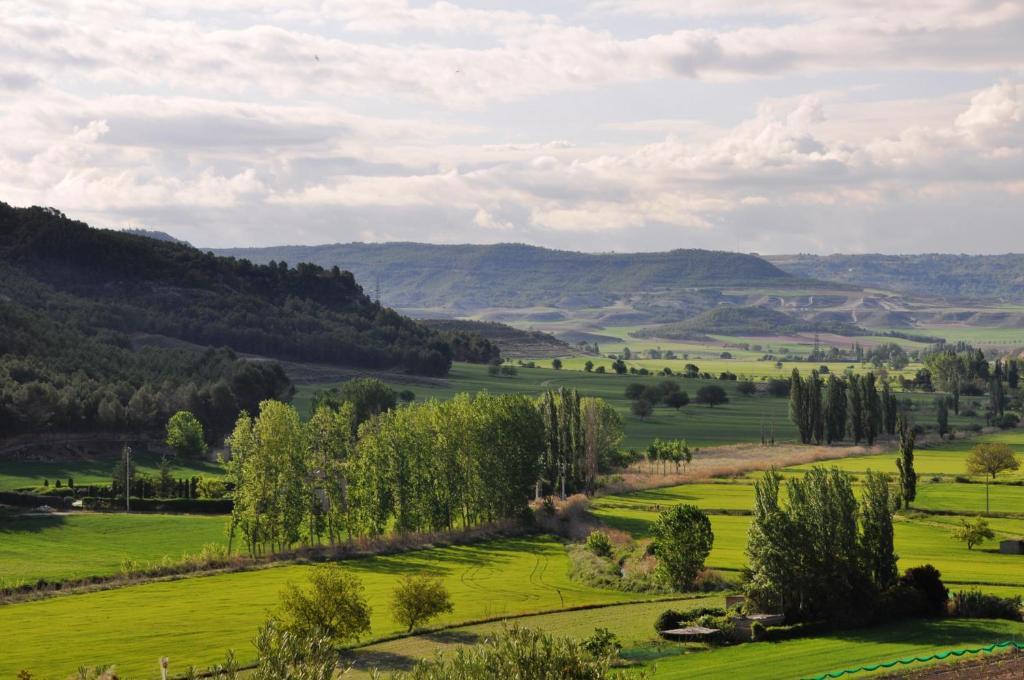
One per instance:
(127, 478)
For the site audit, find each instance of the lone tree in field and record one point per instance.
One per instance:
(418, 599)
(682, 541)
(333, 606)
(677, 400)
(185, 434)
(642, 409)
(973, 533)
(556, 364)
(990, 459)
(905, 463)
(712, 395)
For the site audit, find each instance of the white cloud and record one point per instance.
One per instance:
(690, 123)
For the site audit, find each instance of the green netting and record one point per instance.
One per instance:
(919, 659)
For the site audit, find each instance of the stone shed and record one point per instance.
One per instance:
(1012, 547)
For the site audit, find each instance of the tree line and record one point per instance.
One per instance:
(834, 409)
(431, 466)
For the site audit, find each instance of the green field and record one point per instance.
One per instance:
(805, 657)
(920, 538)
(195, 620)
(16, 474)
(58, 547)
(738, 421)
(631, 623)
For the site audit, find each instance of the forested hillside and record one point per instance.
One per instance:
(972, 276)
(470, 277)
(71, 297)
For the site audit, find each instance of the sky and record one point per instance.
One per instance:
(813, 126)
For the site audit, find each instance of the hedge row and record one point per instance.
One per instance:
(201, 506)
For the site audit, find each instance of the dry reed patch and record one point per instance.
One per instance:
(734, 460)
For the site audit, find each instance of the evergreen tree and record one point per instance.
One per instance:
(798, 411)
(905, 462)
(815, 417)
(942, 415)
(890, 409)
(835, 410)
(996, 396)
(856, 408)
(871, 408)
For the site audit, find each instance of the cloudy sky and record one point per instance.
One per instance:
(783, 126)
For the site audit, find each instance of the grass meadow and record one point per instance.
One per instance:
(631, 623)
(736, 422)
(195, 620)
(59, 547)
(18, 474)
(807, 657)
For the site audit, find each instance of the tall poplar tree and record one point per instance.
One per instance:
(905, 462)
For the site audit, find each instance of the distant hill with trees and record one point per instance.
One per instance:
(472, 277)
(969, 276)
(72, 298)
(513, 342)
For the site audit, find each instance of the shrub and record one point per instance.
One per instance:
(517, 653)
(417, 599)
(1007, 421)
(667, 620)
(746, 388)
(603, 643)
(334, 606)
(599, 544)
(928, 581)
(974, 604)
(670, 618)
(212, 487)
(286, 653)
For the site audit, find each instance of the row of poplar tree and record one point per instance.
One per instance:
(834, 409)
(431, 466)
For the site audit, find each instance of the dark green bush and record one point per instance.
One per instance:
(974, 604)
(928, 580)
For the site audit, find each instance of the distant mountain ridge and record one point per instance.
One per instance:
(156, 235)
(463, 278)
(928, 274)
